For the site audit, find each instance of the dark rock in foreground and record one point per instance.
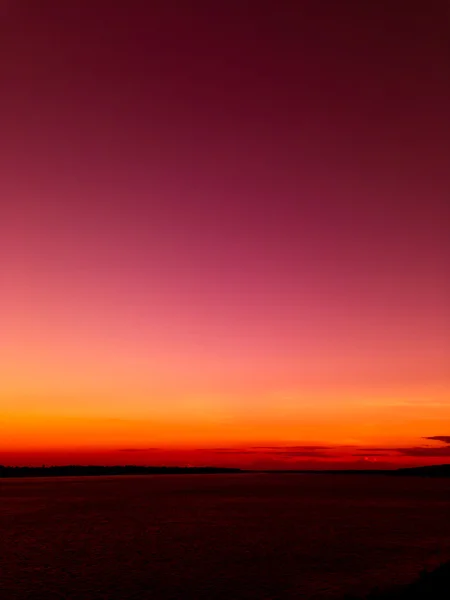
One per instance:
(434, 585)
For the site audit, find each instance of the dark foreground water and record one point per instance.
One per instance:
(218, 536)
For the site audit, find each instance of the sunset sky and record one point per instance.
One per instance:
(224, 233)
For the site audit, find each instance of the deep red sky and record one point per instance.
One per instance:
(224, 228)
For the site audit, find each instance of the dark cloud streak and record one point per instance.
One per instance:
(139, 449)
(439, 438)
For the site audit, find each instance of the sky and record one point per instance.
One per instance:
(224, 233)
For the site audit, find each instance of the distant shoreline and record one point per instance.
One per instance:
(97, 471)
(434, 471)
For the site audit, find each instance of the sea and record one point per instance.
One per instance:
(224, 536)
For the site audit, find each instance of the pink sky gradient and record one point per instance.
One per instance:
(223, 227)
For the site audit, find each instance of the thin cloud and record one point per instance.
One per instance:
(138, 449)
(228, 451)
(369, 454)
(439, 438)
(381, 450)
(425, 452)
(280, 451)
(413, 451)
(293, 448)
(310, 453)
(324, 452)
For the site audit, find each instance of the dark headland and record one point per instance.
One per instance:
(94, 470)
(430, 471)
(430, 585)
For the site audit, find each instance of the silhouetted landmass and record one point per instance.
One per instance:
(430, 471)
(93, 470)
(434, 585)
(78, 470)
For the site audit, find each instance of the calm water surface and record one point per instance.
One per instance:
(217, 536)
